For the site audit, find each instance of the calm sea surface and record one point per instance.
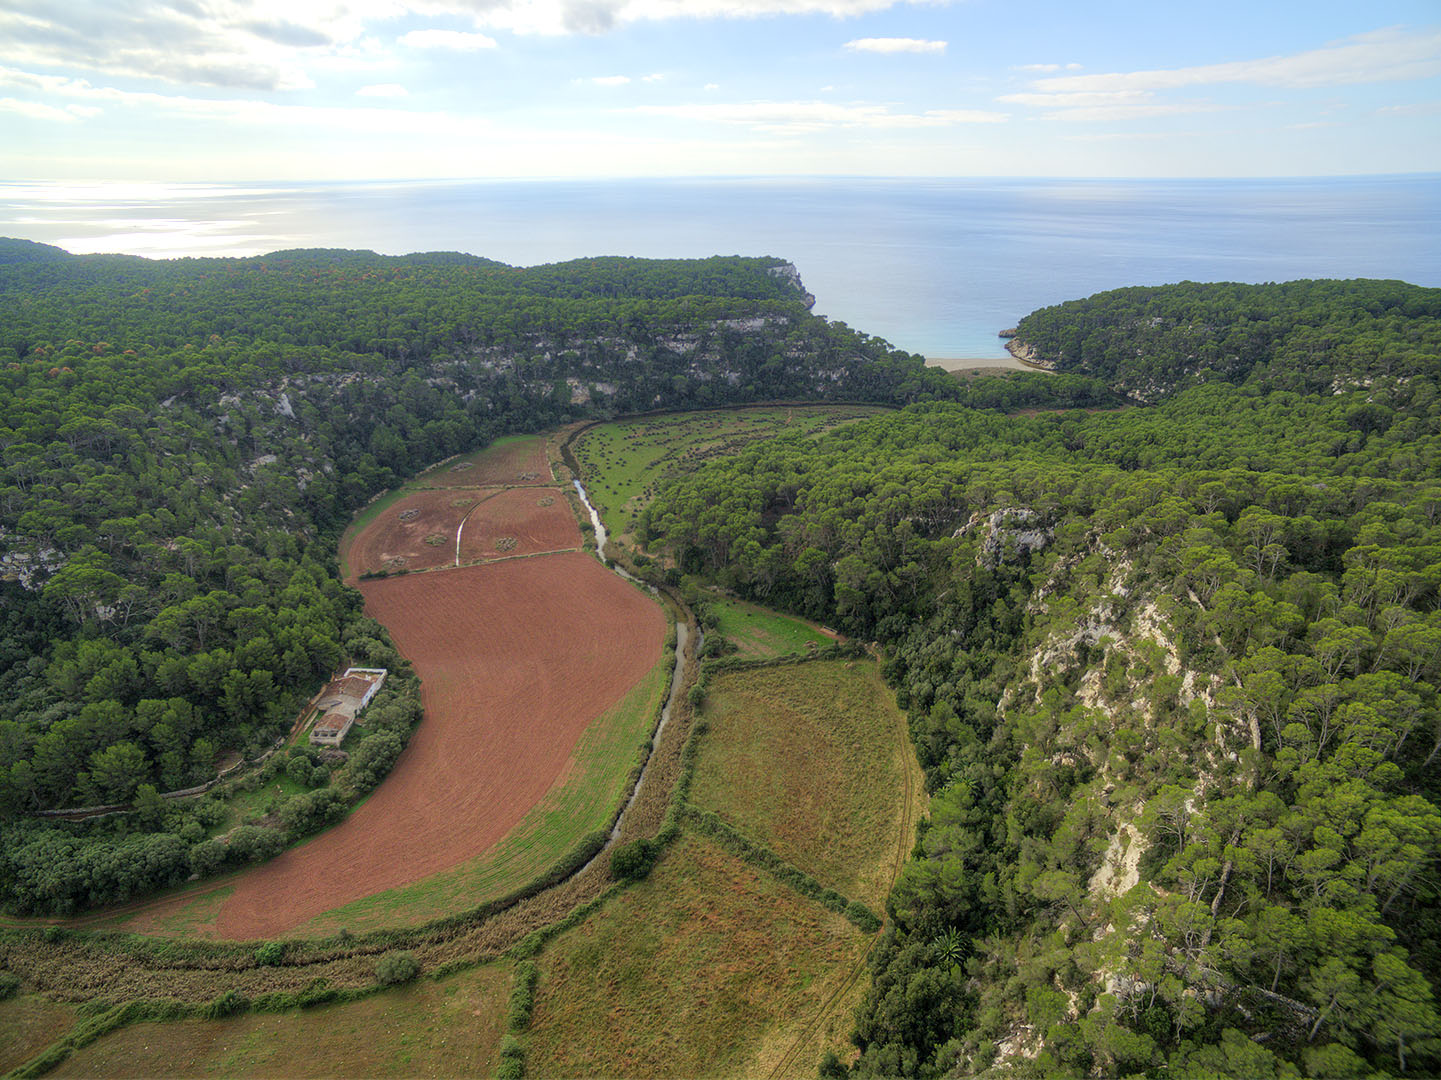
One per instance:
(934, 266)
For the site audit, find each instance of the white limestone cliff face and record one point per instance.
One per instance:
(788, 273)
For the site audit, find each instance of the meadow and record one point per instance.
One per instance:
(427, 1028)
(28, 1024)
(808, 759)
(708, 968)
(759, 633)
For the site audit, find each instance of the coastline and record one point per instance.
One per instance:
(1004, 363)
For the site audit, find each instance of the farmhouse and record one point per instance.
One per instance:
(341, 701)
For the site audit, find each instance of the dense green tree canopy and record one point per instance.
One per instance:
(182, 441)
(1172, 674)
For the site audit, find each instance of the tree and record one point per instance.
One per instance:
(118, 770)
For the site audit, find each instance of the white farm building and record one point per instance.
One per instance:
(341, 701)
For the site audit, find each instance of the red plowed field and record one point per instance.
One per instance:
(511, 461)
(416, 533)
(517, 658)
(519, 521)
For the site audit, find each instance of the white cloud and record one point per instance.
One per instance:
(653, 77)
(896, 45)
(455, 40)
(600, 16)
(35, 110)
(1047, 67)
(383, 90)
(799, 117)
(609, 80)
(226, 43)
(1419, 108)
(1380, 56)
(271, 45)
(244, 111)
(1078, 99)
(1098, 114)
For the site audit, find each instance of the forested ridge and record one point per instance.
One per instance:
(1172, 674)
(1171, 668)
(181, 443)
(1307, 336)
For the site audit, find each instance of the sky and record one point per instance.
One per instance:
(242, 90)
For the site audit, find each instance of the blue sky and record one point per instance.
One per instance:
(226, 90)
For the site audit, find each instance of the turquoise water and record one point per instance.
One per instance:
(933, 266)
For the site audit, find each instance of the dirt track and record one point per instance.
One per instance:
(517, 657)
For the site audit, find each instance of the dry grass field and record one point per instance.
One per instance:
(708, 968)
(442, 1029)
(28, 1024)
(813, 760)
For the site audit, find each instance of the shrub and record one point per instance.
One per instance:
(395, 968)
(10, 985)
(270, 954)
(522, 996)
(227, 1004)
(512, 1059)
(632, 862)
(208, 856)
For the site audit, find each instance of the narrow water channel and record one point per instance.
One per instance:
(677, 679)
(600, 533)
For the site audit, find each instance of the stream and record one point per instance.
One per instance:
(682, 636)
(600, 533)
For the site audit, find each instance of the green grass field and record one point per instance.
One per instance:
(707, 968)
(759, 633)
(592, 788)
(813, 761)
(621, 462)
(447, 1028)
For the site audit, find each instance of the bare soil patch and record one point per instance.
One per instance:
(520, 460)
(400, 537)
(516, 658)
(519, 521)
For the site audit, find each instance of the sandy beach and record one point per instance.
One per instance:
(1009, 363)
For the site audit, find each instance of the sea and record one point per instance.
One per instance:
(934, 266)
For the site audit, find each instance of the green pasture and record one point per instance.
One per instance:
(707, 968)
(584, 802)
(622, 461)
(759, 633)
(812, 760)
